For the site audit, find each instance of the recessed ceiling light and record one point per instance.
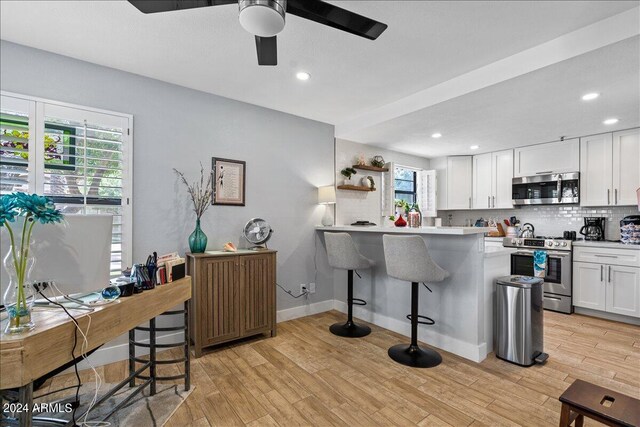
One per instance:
(474, 147)
(436, 135)
(303, 75)
(590, 96)
(611, 121)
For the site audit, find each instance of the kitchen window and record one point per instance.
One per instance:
(405, 184)
(79, 157)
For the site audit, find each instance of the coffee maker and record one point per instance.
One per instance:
(593, 228)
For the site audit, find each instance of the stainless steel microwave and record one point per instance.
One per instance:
(548, 189)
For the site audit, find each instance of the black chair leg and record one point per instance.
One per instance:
(413, 355)
(350, 329)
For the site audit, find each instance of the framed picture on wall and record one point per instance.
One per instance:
(228, 181)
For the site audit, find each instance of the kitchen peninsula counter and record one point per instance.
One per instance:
(453, 231)
(461, 305)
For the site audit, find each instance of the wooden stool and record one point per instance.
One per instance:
(583, 399)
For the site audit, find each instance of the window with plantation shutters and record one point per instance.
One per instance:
(16, 125)
(78, 156)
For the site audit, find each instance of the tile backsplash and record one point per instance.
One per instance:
(549, 220)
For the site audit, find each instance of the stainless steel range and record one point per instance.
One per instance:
(557, 281)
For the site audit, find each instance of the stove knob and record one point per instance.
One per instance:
(513, 241)
(549, 244)
(564, 243)
(556, 244)
(519, 241)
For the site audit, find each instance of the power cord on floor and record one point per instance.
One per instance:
(306, 292)
(58, 294)
(40, 287)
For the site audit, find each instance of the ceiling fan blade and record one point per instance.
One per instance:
(267, 48)
(336, 17)
(154, 6)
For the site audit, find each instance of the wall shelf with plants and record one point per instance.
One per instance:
(355, 188)
(370, 168)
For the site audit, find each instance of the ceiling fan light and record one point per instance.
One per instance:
(263, 18)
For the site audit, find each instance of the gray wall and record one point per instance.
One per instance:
(175, 127)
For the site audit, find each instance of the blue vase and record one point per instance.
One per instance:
(197, 240)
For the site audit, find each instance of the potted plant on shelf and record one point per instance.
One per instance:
(377, 161)
(201, 198)
(18, 297)
(348, 173)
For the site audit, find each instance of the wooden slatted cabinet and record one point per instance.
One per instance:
(234, 296)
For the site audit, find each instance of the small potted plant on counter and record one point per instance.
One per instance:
(348, 173)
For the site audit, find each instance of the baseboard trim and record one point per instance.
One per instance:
(475, 353)
(608, 316)
(304, 310)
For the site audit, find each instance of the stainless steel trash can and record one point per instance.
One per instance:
(519, 322)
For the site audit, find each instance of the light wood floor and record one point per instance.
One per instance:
(307, 376)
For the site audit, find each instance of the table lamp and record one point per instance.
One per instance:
(327, 196)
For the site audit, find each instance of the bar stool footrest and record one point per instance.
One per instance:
(358, 301)
(426, 321)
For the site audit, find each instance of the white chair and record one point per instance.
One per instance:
(407, 259)
(344, 255)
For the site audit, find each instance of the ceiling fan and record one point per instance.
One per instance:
(266, 18)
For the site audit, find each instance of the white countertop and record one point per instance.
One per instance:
(455, 231)
(605, 244)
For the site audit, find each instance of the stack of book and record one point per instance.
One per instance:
(170, 267)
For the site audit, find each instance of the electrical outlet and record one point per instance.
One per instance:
(303, 288)
(312, 288)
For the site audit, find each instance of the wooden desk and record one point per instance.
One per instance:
(28, 356)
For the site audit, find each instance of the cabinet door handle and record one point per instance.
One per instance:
(606, 256)
(608, 196)
(544, 173)
(609, 274)
(493, 204)
(488, 201)
(615, 196)
(469, 202)
(601, 272)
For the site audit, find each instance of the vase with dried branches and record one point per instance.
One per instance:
(200, 194)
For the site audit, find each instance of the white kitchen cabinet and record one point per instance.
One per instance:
(482, 181)
(626, 167)
(589, 290)
(544, 159)
(454, 177)
(492, 180)
(501, 179)
(610, 169)
(623, 290)
(596, 162)
(607, 279)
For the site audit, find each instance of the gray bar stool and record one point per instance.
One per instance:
(407, 259)
(343, 254)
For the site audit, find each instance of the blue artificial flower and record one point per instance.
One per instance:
(41, 208)
(8, 211)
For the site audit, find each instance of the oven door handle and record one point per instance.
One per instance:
(550, 253)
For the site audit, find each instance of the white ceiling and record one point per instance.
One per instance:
(427, 43)
(537, 107)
